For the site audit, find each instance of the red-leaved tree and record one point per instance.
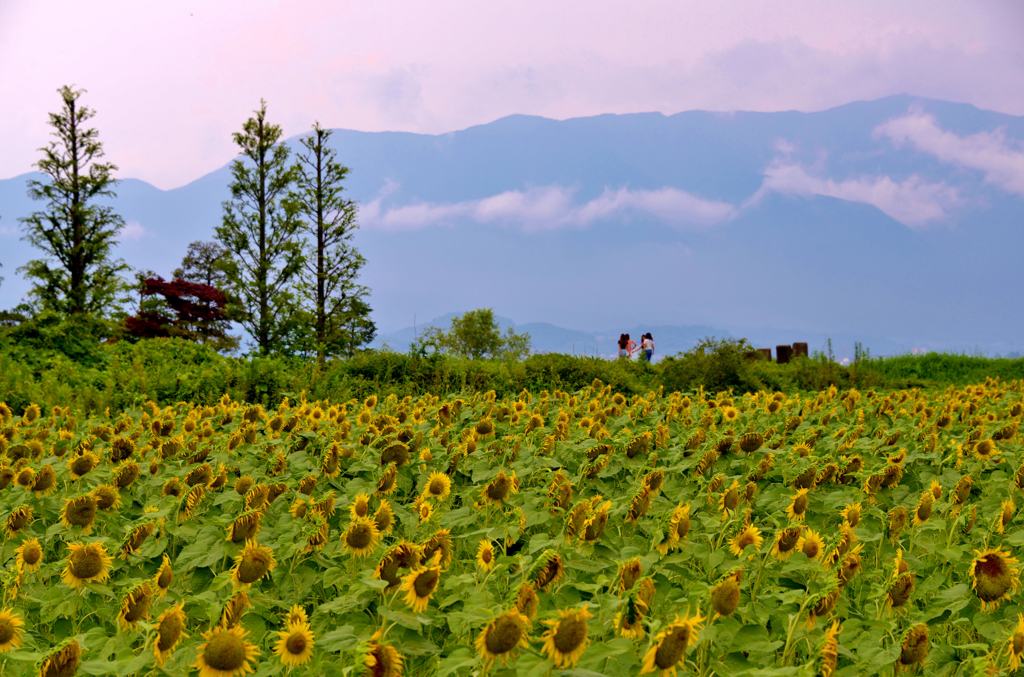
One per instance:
(188, 310)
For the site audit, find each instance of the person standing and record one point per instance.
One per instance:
(630, 346)
(647, 346)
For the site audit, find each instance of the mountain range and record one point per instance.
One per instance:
(897, 222)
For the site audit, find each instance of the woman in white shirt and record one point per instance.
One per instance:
(647, 345)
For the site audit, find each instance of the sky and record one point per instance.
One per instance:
(171, 82)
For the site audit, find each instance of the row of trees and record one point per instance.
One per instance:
(283, 265)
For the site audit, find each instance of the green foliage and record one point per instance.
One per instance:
(260, 228)
(717, 364)
(475, 335)
(79, 274)
(338, 313)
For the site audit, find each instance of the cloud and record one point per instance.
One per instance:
(913, 202)
(549, 208)
(999, 158)
(132, 232)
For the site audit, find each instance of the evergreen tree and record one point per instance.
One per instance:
(205, 263)
(328, 282)
(260, 228)
(79, 275)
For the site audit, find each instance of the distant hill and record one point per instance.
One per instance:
(875, 220)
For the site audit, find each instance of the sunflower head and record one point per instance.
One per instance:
(245, 527)
(360, 539)
(10, 630)
(1015, 644)
(135, 605)
(421, 584)
(914, 649)
(295, 645)
(549, 569)
(485, 557)
(225, 653)
(400, 556)
(87, 563)
(671, 643)
(498, 489)
(44, 482)
(29, 555)
(994, 576)
(252, 563)
(629, 574)
(79, 512)
(439, 544)
(747, 536)
(503, 637)
(829, 654)
(360, 507)
(382, 660)
(388, 481)
(384, 518)
(527, 601)
(725, 597)
(566, 639)
(851, 513)
(18, 519)
(164, 577)
(62, 661)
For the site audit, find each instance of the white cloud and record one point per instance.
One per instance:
(133, 232)
(912, 202)
(999, 158)
(549, 208)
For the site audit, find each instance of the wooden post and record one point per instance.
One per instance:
(767, 352)
(799, 350)
(783, 354)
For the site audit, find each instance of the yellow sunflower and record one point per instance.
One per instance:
(730, 499)
(798, 505)
(851, 513)
(669, 649)
(62, 661)
(421, 584)
(296, 616)
(136, 538)
(382, 660)
(503, 637)
(725, 597)
(566, 639)
(81, 465)
(251, 564)
(388, 481)
(936, 489)
(29, 554)
(424, 511)
(440, 542)
(294, 645)
(360, 507)
(993, 577)
(914, 649)
(438, 486)
(924, 508)
(44, 482)
(87, 563)
(163, 578)
(135, 606)
(748, 535)
(629, 621)
(1006, 515)
(245, 527)
(829, 654)
(498, 489)
(787, 542)
(225, 653)
(79, 512)
(10, 630)
(234, 609)
(170, 629)
(548, 570)
(485, 555)
(384, 518)
(629, 573)
(107, 497)
(360, 539)
(1014, 644)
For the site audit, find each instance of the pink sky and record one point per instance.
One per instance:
(171, 81)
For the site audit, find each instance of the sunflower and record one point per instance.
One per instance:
(962, 491)
(549, 569)
(382, 660)
(914, 649)
(62, 661)
(1006, 515)
(400, 556)
(897, 522)
(498, 489)
(360, 539)
(823, 603)
(899, 592)
(798, 505)
(384, 518)
(629, 621)
(295, 644)
(851, 513)
(485, 555)
(28, 555)
(387, 483)
(126, 474)
(164, 577)
(225, 653)
(787, 542)
(191, 501)
(593, 527)
(679, 527)
(87, 563)
(79, 512)
(170, 629)
(252, 563)
(503, 637)
(725, 596)
(730, 499)
(924, 508)
(107, 497)
(135, 606)
(136, 538)
(438, 486)
(629, 574)
(993, 577)
(440, 542)
(424, 511)
(670, 645)
(748, 535)
(245, 527)
(1014, 644)
(10, 630)
(360, 507)
(421, 584)
(566, 638)
(850, 565)
(231, 614)
(639, 506)
(829, 654)
(44, 482)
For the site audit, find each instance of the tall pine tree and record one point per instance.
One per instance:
(328, 283)
(79, 275)
(260, 228)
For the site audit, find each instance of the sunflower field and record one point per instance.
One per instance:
(551, 533)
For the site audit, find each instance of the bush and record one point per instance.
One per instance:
(716, 364)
